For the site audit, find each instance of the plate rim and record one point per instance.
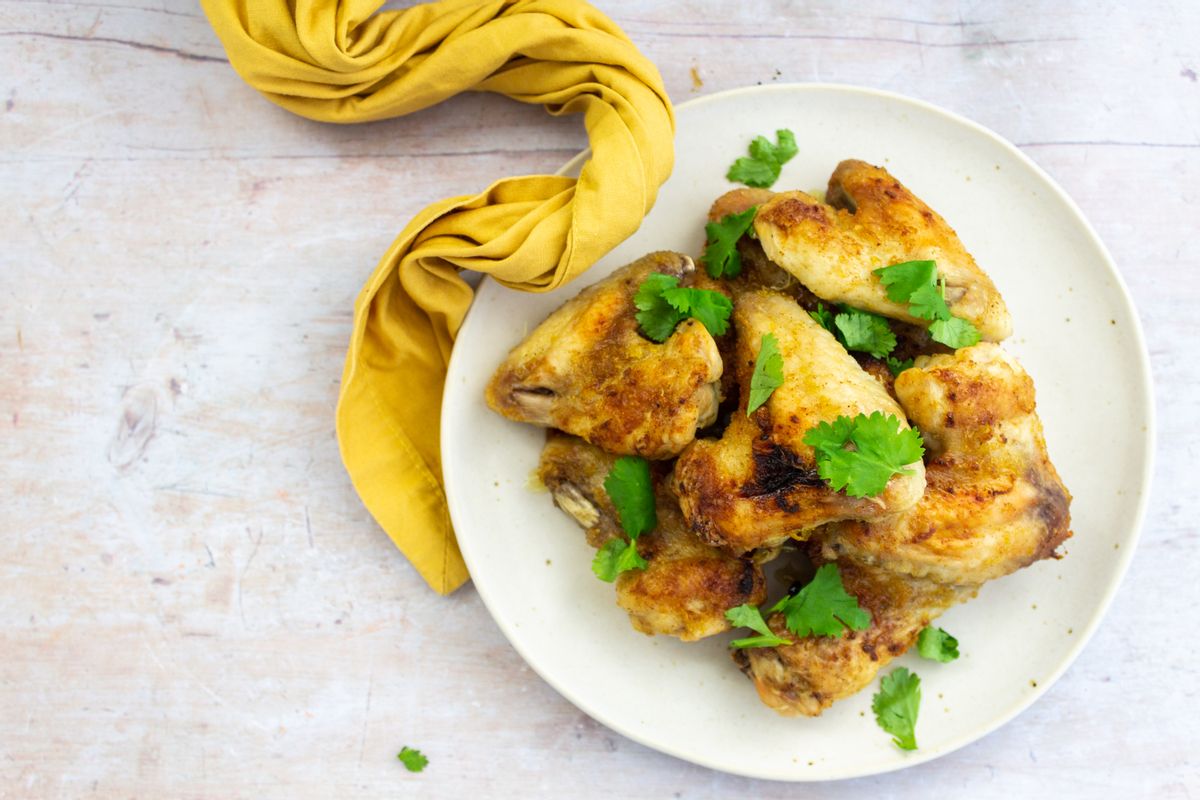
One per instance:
(1149, 442)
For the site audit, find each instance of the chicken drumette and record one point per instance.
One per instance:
(688, 585)
(588, 371)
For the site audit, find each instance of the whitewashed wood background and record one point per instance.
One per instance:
(193, 603)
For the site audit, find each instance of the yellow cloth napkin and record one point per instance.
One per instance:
(343, 62)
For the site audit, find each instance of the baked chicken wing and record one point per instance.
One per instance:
(870, 220)
(588, 371)
(993, 504)
(758, 484)
(808, 676)
(688, 585)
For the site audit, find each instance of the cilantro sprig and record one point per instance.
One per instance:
(896, 706)
(768, 373)
(857, 329)
(412, 759)
(917, 283)
(662, 304)
(860, 455)
(721, 257)
(748, 616)
(631, 490)
(937, 645)
(766, 160)
(823, 607)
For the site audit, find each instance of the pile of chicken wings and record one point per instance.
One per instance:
(734, 491)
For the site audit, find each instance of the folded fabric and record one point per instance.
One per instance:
(343, 62)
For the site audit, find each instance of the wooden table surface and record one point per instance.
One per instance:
(195, 604)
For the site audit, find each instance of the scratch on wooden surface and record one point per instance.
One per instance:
(242, 575)
(308, 527)
(135, 427)
(153, 48)
(362, 741)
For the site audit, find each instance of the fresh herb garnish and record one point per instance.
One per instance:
(748, 616)
(896, 366)
(857, 330)
(824, 318)
(616, 556)
(937, 645)
(896, 706)
(412, 759)
(768, 373)
(823, 607)
(721, 257)
(917, 283)
(955, 332)
(766, 160)
(863, 331)
(631, 490)
(860, 455)
(662, 304)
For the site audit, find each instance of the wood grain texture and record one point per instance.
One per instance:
(195, 605)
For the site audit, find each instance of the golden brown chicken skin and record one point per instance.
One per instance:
(870, 220)
(688, 585)
(994, 501)
(808, 676)
(587, 370)
(758, 484)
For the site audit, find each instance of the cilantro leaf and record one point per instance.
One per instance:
(656, 315)
(901, 280)
(754, 172)
(748, 616)
(865, 332)
(917, 283)
(955, 332)
(824, 317)
(896, 705)
(823, 607)
(662, 304)
(768, 373)
(937, 645)
(412, 759)
(629, 486)
(896, 366)
(880, 450)
(927, 302)
(615, 557)
(721, 257)
(712, 309)
(766, 160)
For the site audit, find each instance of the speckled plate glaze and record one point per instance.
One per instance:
(1070, 311)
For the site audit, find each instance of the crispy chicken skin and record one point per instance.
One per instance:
(994, 502)
(588, 371)
(808, 676)
(688, 585)
(870, 220)
(758, 484)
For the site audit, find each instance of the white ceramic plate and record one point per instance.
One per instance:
(1070, 312)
